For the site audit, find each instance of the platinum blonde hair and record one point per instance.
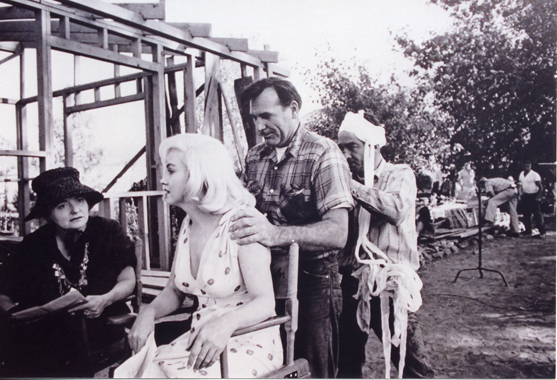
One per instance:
(212, 182)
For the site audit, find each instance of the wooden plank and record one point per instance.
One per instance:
(10, 46)
(154, 282)
(189, 96)
(15, 13)
(10, 57)
(265, 55)
(23, 153)
(24, 191)
(44, 86)
(249, 127)
(211, 120)
(155, 273)
(88, 13)
(149, 11)
(173, 123)
(234, 44)
(104, 103)
(193, 29)
(237, 140)
(125, 169)
(68, 136)
(100, 54)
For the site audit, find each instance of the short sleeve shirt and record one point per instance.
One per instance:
(311, 178)
(528, 182)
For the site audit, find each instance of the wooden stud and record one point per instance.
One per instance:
(211, 121)
(189, 96)
(68, 136)
(44, 87)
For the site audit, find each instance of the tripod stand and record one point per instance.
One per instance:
(479, 267)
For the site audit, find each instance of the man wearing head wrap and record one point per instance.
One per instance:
(385, 214)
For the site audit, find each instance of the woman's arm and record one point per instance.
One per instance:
(125, 283)
(167, 301)
(208, 342)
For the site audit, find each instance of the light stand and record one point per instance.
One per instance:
(479, 267)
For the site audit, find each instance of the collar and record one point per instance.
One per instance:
(380, 168)
(292, 148)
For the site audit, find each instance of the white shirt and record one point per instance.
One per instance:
(528, 182)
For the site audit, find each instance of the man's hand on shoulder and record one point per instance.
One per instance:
(250, 226)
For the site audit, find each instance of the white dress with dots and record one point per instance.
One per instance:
(220, 288)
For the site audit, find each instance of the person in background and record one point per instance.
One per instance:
(530, 190)
(466, 180)
(301, 183)
(433, 170)
(502, 193)
(73, 250)
(391, 203)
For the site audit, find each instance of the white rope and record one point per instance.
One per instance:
(379, 276)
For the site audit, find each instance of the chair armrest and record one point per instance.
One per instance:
(123, 319)
(273, 321)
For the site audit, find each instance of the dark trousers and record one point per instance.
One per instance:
(531, 206)
(320, 300)
(353, 340)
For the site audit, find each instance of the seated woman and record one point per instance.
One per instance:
(233, 283)
(72, 250)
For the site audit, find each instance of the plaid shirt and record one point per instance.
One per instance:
(392, 202)
(311, 178)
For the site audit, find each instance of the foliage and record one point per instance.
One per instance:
(494, 77)
(412, 127)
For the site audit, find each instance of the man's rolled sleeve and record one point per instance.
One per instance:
(332, 181)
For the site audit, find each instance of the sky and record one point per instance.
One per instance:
(359, 31)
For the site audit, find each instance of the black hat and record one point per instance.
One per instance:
(56, 185)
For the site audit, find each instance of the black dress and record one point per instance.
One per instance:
(54, 346)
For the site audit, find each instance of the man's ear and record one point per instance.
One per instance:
(295, 108)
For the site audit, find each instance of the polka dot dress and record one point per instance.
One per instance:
(219, 287)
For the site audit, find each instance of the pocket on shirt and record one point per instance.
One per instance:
(296, 205)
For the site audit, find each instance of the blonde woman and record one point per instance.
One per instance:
(233, 283)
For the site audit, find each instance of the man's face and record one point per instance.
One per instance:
(274, 122)
(353, 150)
(527, 166)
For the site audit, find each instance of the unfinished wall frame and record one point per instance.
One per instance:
(131, 35)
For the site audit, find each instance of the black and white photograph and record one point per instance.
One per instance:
(278, 189)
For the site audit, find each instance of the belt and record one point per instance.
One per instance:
(319, 256)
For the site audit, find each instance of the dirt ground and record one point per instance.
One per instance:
(477, 327)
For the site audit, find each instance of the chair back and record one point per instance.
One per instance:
(284, 271)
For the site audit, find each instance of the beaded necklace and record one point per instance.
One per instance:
(64, 284)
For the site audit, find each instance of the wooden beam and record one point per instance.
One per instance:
(24, 192)
(173, 124)
(189, 96)
(234, 44)
(194, 29)
(11, 47)
(68, 135)
(23, 153)
(211, 125)
(149, 11)
(15, 13)
(44, 85)
(125, 169)
(265, 55)
(92, 12)
(100, 54)
(237, 140)
(104, 103)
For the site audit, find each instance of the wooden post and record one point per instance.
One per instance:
(44, 86)
(173, 100)
(211, 121)
(155, 115)
(23, 191)
(189, 96)
(68, 136)
(117, 87)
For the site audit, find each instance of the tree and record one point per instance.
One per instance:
(413, 129)
(493, 76)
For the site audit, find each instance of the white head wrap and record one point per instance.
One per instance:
(371, 135)
(368, 133)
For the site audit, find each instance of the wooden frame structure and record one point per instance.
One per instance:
(134, 36)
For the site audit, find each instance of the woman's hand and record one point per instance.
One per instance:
(94, 306)
(142, 327)
(207, 343)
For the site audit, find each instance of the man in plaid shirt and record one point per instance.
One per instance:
(301, 182)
